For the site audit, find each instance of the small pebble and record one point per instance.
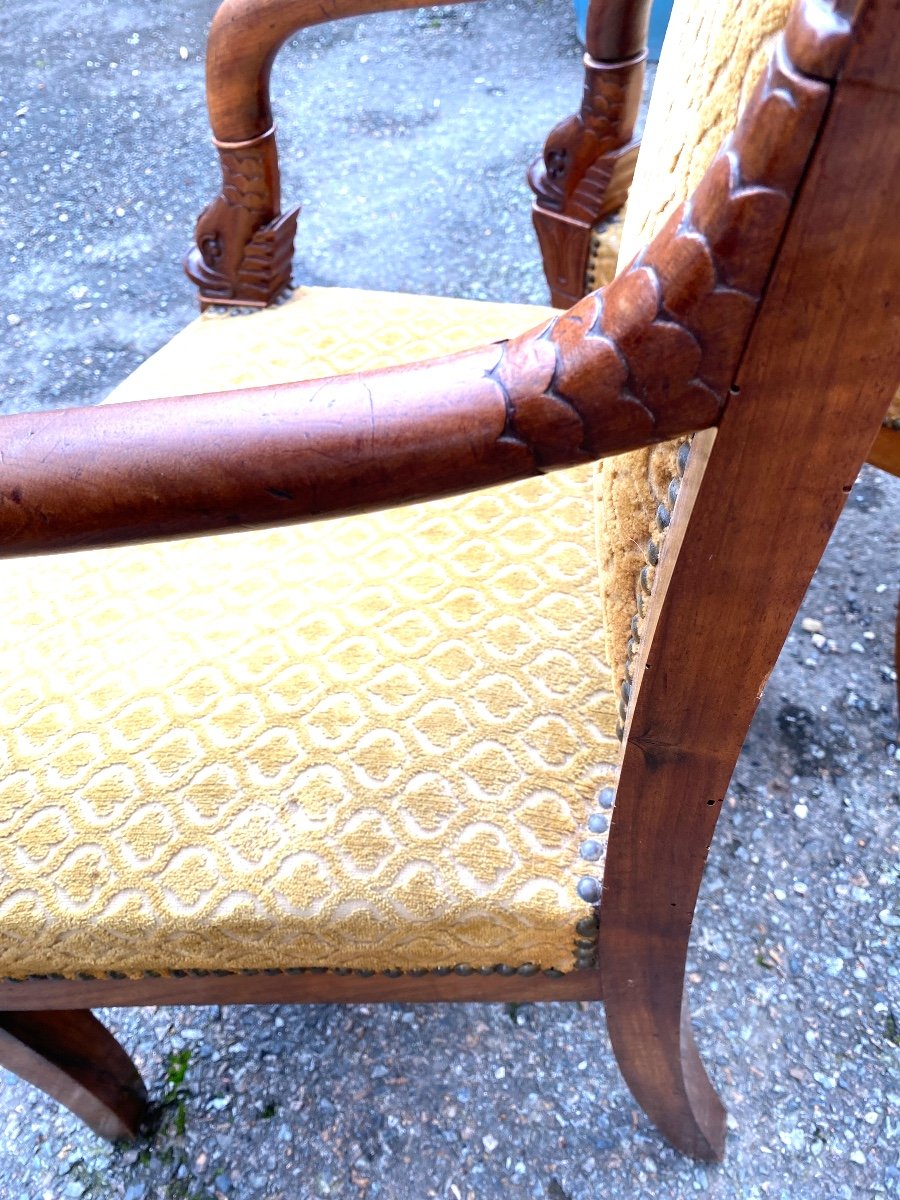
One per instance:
(490, 1143)
(792, 1139)
(811, 625)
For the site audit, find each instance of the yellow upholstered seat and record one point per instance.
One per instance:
(370, 743)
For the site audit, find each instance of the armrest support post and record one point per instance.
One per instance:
(243, 243)
(617, 29)
(588, 160)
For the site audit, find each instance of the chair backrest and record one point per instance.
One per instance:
(714, 54)
(712, 58)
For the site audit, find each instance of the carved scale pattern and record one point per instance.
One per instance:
(585, 172)
(577, 145)
(655, 352)
(243, 180)
(244, 245)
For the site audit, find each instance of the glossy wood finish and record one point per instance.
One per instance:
(617, 29)
(759, 499)
(98, 476)
(305, 987)
(243, 242)
(74, 1059)
(646, 358)
(588, 161)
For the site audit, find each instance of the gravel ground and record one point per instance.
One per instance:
(409, 133)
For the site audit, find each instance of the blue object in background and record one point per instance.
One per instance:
(659, 20)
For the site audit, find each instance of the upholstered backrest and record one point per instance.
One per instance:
(714, 52)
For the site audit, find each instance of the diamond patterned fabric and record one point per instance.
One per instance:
(369, 743)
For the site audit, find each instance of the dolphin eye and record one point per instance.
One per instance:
(211, 249)
(556, 163)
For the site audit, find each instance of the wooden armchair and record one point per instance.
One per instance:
(375, 758)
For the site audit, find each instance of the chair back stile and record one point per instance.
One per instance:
(815, 379)
(588, 160)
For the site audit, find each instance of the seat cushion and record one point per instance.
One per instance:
(714, 52)
(368, 743)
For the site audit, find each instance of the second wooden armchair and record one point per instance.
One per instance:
(377, 757)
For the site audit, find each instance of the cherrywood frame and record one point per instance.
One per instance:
(815, 374)
(765, 315)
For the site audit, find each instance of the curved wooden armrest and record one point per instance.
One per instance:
(264, 456)
(243, 241)
(651, 356)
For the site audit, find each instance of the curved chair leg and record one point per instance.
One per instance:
(664, 816)
(644, 930)
(74, 1059)
(670, 1082)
